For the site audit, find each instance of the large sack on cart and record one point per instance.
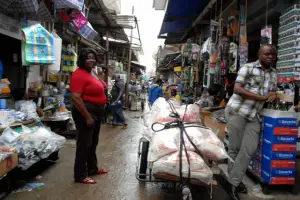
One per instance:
(168, 141)
(198, 169)
(206, 141)
(161, 110)
(163, 143)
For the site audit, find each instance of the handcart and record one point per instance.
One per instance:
(144, 170)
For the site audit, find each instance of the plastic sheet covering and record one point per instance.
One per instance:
(33, 145)
(198, 169)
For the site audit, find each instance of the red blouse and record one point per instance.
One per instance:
(90, 88)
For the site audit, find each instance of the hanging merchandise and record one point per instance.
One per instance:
(206, 49)
(54, 68)
(266, 35)
(37, 46)
(78, 19)
(233, 25)
(75, 4)
(19, 6)
(85, 31)
(233, 58)
(243, 45)
(288, 47)
(69, 60)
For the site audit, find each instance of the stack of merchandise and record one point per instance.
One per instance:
(69, 60)
(275, 160)
(288, 64)
(32, 145)
(164, 152)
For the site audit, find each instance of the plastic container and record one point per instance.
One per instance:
(2, 103)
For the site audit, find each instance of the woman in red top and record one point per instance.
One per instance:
(89, 100)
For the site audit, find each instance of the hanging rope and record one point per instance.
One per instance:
(267, 9)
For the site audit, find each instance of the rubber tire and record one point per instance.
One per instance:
(143, 160)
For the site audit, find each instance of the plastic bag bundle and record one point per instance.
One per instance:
(32, 144)
(198, 169)
(5, 152)
(206, 141)
(191, 113)
(168, 141)
(163, 143)
(9, 137)
(161, 110)
(29, 108)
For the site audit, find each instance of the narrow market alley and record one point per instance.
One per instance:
(117, 153)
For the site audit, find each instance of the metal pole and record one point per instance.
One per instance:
(107, 57)
(129, 63)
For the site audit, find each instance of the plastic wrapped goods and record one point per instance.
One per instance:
(161, 110)
(32, 144)
(206, 141)
(198, 169)
(168, 141)
(191, 113)
(163, 143)
(5, 152)
(29, 108)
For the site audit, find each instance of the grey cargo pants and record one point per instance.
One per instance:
(243, 141)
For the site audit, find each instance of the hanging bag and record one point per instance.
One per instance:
(75, 4)
(38, 45)
(78, 19)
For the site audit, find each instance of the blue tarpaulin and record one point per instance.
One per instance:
(180, 14)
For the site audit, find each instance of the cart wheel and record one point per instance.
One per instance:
(266, 189)
(143, 160)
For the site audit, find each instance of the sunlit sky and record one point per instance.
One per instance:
(150, 22)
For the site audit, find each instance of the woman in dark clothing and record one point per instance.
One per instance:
(89, 101)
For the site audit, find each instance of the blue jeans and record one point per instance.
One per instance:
(117, 113)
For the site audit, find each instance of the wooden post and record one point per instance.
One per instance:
(129, 63)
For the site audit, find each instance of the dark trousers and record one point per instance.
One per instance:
(117, 113)
(87, 141)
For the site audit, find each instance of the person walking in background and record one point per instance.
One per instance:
(89, 99)
(117, 92)
(255, 84)
(155, 92)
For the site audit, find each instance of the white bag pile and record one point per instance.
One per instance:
(164, 150)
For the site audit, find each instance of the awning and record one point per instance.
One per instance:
(170, 60)
(180, 15)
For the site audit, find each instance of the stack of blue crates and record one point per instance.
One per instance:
(275, 161)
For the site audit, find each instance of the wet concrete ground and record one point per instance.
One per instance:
(117, 152)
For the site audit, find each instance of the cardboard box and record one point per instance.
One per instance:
(8, 164)
(218, 128)
(279, 180)
(277, 172)
(269, 146)
(203, 114)
(279, 155)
